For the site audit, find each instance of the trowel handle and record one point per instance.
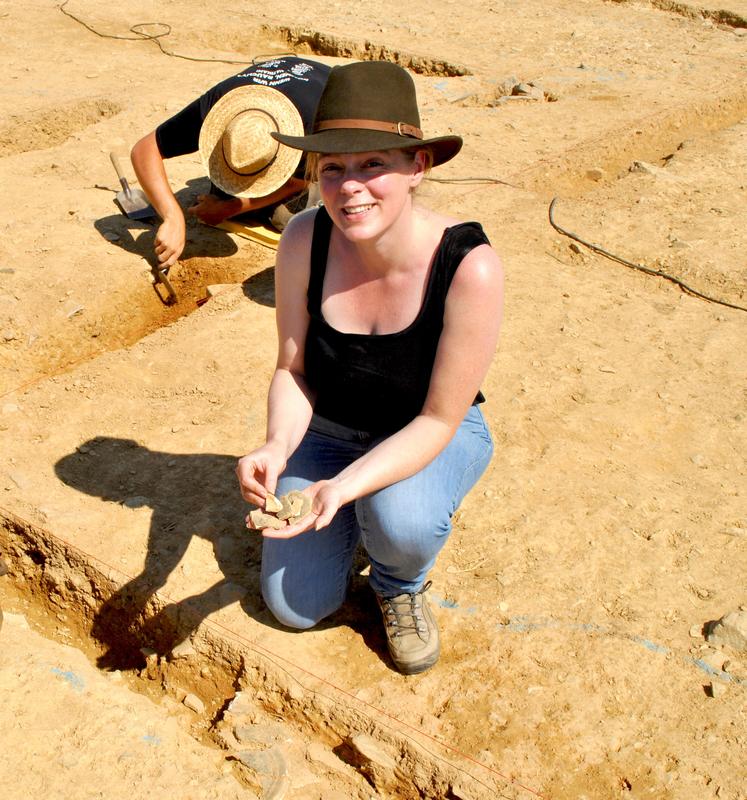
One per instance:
(123, 181)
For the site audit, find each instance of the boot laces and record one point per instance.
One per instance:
(404, 613)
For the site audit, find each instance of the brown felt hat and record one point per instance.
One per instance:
(236, 144)
(369, 105)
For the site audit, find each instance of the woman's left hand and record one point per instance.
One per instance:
(326, 499)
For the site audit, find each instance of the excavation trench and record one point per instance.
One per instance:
(61, 591)
(652, 138)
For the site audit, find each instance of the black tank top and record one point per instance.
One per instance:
(378, 383)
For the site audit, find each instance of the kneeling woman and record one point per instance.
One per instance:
(388, 317)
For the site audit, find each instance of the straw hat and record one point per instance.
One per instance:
(236, 144)
(369, 105)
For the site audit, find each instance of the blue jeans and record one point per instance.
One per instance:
(402, 527)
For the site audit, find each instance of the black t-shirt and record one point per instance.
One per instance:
(300, 80)
(378, 383)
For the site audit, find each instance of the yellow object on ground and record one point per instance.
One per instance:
(263, 234)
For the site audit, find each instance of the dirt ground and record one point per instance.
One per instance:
(575, 592)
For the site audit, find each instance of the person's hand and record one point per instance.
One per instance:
(258, 473)
(169, 242)
(213, 210)
(326, 499)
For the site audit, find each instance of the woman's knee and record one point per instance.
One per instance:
(416, 534)
(299, 612)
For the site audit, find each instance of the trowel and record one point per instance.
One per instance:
(133, 202)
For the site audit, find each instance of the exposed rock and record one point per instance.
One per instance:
(183, 650)
(717, 689)
(241, 704)
(193, 702)
(730, 630)
(317, 753)
(373, 761)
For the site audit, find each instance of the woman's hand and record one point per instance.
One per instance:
(326, 499)
(258, 473)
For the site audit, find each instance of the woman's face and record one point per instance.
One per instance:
(365, 193)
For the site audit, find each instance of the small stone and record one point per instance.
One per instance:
(20, 480)
(136, 502)
(241, 704)
(111, 236)
(319, 754)
(644, 167)
(528, 90)
(696, 631)
(9, 335)
(73, 309)
(595, 174)
(717, 689)
(698, 459)
(183, 650)
(231, 593)
(730, 630)
(193, 702)
(370, 750)
(217, 288)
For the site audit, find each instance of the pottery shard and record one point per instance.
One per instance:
(286, 509)
(272, 504)
(261, 520)
(295, 505)
(281, 511)
(300, 503)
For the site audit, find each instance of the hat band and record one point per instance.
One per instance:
(400, 128)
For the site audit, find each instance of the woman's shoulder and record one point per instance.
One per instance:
(299, 231)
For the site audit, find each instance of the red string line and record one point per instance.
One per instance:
(276, 658)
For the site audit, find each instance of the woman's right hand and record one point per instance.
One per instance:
(258, 473)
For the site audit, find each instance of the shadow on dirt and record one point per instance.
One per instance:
(191, 495)
(136, 236)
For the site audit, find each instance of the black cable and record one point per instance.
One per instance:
(478, 181)
(658, 273)
(141, 35)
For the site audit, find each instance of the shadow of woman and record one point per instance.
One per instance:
(190, 495)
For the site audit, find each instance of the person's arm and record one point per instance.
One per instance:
(290, 402)
(151, 174)
(213, 210)
(466, 348)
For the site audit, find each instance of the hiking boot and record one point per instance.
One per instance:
(411, 631)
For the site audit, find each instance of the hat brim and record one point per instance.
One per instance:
(361, 140)
(279, 170)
